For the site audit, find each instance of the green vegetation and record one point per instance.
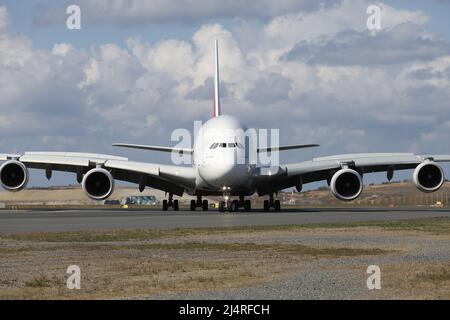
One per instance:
(291, 249)
(41, 282)
(435, 276)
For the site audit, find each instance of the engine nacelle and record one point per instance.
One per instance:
(13, 175)
(346, 184)
(428, 176)
(98, 184)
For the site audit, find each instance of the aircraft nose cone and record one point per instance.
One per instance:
(224, 175)
(210, 172)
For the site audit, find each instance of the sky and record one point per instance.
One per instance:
(137, 70)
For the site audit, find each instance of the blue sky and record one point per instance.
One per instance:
(140, 69)
(437, 10)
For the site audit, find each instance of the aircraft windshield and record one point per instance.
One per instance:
(226, 145)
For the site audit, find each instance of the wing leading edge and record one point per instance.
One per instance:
(288, 147)
(173, 179)
(154, 148)
(320, 169)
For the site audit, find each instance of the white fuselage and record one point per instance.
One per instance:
(220, 157)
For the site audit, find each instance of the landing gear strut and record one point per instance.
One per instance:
(271, 203)
(234, 205)
(170, 203)
(199, 204)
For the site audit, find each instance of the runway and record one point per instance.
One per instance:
(79, 220)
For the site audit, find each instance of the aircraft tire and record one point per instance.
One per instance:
(266, 205)
(247, 205)
(277, 206)
(234, 206)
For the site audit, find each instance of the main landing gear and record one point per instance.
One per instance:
(199, 204)
(235, 205)
(275, 204)
(170, 203)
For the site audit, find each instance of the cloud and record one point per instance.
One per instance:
(401, 44)
(145, 12)
(204, 91)
(91, 74)
(62, 49)
(269, 88)
(327, 21)
(314, 72)
(3, 19)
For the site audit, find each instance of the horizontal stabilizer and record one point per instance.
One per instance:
(289, 147)
(154, 148)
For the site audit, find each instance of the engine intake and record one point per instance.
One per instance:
(13, 175)
(346, 184)
(98, 184)
(428, 176)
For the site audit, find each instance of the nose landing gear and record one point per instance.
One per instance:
(170, 203)
(199, 204)
(234, 205)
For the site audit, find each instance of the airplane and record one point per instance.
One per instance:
(215, 171)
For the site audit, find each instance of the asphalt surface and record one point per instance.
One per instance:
(78, 220)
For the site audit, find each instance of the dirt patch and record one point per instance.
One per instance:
(145, 269)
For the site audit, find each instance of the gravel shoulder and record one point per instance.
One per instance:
(323, 261)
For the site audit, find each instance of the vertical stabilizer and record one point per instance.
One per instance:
(216, 111)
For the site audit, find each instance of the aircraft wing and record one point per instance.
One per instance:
(169, 178)
(191, 151)
(288, 147)
(320, 169)
(154, 148)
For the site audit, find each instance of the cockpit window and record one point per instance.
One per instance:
(227, 145)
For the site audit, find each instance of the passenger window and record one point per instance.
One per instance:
(223, 145)
(231, 145)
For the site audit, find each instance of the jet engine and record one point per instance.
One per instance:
(98, 184)
(13, 175)
(346, 184)
(428, 176)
